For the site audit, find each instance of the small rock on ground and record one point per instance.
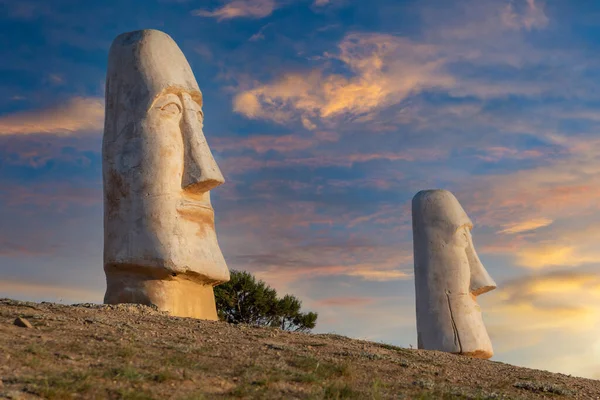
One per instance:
(23, 323)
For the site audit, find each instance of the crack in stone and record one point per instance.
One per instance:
(456, 336)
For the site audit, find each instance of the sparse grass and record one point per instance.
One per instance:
(61, 386)
(312, 344)
(133, 394)
(250, 390)
(339, 391)
(376, 392)
(162, 357)
(194, 359)
(36, 349)
(392, 347)
(542, 387)
(194, 396)
(320, 369)
(127, 351)
(128, 373)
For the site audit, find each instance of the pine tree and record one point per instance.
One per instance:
(244, 299)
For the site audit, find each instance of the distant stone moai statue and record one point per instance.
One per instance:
(160, 245)
(448, 277)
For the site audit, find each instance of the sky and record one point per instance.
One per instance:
(326, 117)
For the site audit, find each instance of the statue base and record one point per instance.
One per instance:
(177, 294)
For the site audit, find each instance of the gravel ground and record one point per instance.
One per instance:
(92, 351)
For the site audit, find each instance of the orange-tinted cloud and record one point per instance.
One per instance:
(59, 196)
(240, 8)
(282, 143)
(236, 164)
(576, 289)
(48, 292)
(386, 70)
(370, 264)
(549, 255)
(80, 114)
(344, 301)
(525, 226)
(558, 311)
(562, 191)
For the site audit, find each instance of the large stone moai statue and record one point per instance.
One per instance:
(160, 245)
(448, 277)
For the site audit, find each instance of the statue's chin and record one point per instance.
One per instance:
(175, 293)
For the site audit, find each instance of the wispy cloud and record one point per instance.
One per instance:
(240, 9)
(260, 35)
(58, 196)
(280, 143)
(546, 310)
(241, 164)
(39, 292)
(524, 226)
(80, 114)
(280, 277)
(519, 14)
(345, 301)
(386, 70)
(551, 255)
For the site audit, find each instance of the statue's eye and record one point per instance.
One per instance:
(465, 237)
(171, 109)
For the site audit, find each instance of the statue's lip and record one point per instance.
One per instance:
(189, 205)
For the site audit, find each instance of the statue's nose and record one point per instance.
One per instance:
(201, 172)
(481, 281)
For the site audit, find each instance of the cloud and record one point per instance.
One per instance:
(58, 196)
(80, 114)
(569, 294)
(525, 226)
(243, 164)
(56, 79)
(527, 15)
(25, 10)
(563, 246)
(344, 301)
(41, 150)
(11, 248)
(240, 9)
(315, 261)
(31, 291)
(281, 143)
(498, 153)
(548, 255)
(385, 70)
(557, 310)
(559, 190)
(379, 71)
(260, 34)
(379, 276)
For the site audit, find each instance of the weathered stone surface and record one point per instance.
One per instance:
(448, 277)
(160, 244)
(23, 323)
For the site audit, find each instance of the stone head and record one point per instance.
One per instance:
(442, 224)
(448, 276)
(157, 167)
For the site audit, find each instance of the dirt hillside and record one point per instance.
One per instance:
(135, 352)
